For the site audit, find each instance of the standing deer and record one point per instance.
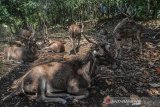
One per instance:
(125, 29)
(59, 81)
(75, 31)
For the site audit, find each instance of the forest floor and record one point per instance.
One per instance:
(138, 78)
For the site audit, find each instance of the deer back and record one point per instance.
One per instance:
(60, 75)
(126, 28)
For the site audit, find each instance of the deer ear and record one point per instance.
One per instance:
(85, 68)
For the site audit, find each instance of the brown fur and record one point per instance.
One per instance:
(125, 29)
(75, 31)
(55, 46)
(22, 53)
(69, 76)
(14, 52)
(26, 35)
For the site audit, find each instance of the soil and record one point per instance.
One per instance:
(136, 77)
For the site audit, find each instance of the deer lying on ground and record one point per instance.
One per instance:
(76, 31)
(62, 80)
(54, 46)
(125, 29)
(22, 53)
(14, 52)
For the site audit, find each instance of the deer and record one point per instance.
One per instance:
(20, 53)
(127, 28)
(60, 81)
(75, 31)
(26, 34)
(54, 46)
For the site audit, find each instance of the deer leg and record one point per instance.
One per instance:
(53, 92)
(131, 45)
(58, 93)
(74, 46)
(80, 95)
(118, 49)
(8, 58)
(121, 44)
(42, 90)
(78, 45)
(73, 50)
(139, 41)
(61, 95)
(77, 92)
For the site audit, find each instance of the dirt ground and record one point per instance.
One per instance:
(137, 77)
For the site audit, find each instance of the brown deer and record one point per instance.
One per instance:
(125, 29)
(22, 53)
(62, 80)
(75, 31)
(54, 46)
(75, 36)
(25, 35)
(14, 52)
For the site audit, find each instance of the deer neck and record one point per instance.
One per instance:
(90, 58)
(93, 66)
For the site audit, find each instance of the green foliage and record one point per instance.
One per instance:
(16, 13)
